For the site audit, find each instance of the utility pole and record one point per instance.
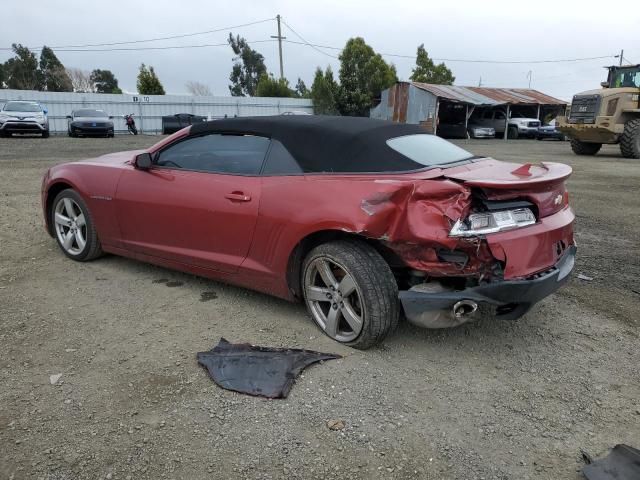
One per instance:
(530, 74)
(480, 81)
(621, 56)
(280, 38)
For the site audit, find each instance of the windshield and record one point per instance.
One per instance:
(90, 113)
(428, 150)
(22, 107)
(626, 78)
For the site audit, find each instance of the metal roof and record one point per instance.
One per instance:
(489, 96)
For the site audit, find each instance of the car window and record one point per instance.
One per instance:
(499, 115)
(22, 107)
(280, 161)
(217, 153)
(90, 113)
(428, 150)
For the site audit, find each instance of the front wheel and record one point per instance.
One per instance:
(73, 227)
(350, 293)
(45, 134)
(584, 148)
(630, 139)
(512, 133)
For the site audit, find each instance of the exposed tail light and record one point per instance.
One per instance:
(483, 223)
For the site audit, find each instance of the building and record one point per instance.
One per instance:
(447, 109)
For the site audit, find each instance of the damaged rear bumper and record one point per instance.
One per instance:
(510, 298)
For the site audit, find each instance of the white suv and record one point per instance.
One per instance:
(519, 126)
(23, 117)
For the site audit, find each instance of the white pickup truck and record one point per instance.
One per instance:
(519, 126)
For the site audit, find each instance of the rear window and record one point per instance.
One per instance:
(428, 150)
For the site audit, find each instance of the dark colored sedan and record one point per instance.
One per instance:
(88, 122)
(359, 218)
(550, 131)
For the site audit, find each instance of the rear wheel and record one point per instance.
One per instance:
(350, 292)
(73, 227)
(584, 148)
(512, 133)
(630, 139)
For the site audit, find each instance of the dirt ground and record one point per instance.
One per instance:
(489, 400)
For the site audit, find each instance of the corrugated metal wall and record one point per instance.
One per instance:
(415, 107)
(148, 110)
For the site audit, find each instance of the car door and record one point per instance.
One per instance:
(499, 121)
(197, 204)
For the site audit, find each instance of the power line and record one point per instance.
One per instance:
(307, 43)
(184, 35)
(413, 57)
(136, 49)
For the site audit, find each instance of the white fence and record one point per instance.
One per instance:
(148, 110)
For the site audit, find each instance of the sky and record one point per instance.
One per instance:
(493, 30)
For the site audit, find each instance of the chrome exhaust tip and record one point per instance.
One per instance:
(464, 308)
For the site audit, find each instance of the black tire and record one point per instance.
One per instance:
(630, 139)
(92, 248)
(512, 133)
(374, 282)
(584, 148)
(45, 134)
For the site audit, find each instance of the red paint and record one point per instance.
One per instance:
(244, 229)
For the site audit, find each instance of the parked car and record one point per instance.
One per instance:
(550, 131)
(478, 131)
(89, 122)
(173, 123)
(23, 117)
(358, 218)
(519, 125)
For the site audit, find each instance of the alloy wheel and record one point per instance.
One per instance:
(70, 226)
(334, 299)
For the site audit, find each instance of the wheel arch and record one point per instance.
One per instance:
(52, 192)
(312, 240)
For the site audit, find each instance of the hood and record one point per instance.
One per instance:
(496, 174)
(118, 158)
(23, 114)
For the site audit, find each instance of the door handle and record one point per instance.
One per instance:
(238, 197)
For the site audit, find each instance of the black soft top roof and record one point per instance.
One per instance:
(322, 143)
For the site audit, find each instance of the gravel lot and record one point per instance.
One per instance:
(493, 399)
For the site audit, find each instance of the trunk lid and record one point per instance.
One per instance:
(494, 174)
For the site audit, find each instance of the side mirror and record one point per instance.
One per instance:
(604, 84)
(45, 111)
(110, 117)
(143, 161)
(69, 117)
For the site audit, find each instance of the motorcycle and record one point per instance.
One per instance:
(131, 124)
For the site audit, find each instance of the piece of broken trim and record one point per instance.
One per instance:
(622, 463)
(260, 371)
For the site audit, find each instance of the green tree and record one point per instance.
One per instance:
(53, 74)
(301, 89)
(148, 81)
(324, 91)
(106, 82)
(269, 86)
(427, 71)
(2, 76)
(363, 75)
(21, 72)
(247, 69)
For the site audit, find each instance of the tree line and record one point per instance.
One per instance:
(362, 76)
(25, 71)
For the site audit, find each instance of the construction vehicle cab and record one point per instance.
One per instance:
(609, 115)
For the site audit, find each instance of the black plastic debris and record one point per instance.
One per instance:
(261, 371)
(622, 463)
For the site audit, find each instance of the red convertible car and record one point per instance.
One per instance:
(363, 220)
